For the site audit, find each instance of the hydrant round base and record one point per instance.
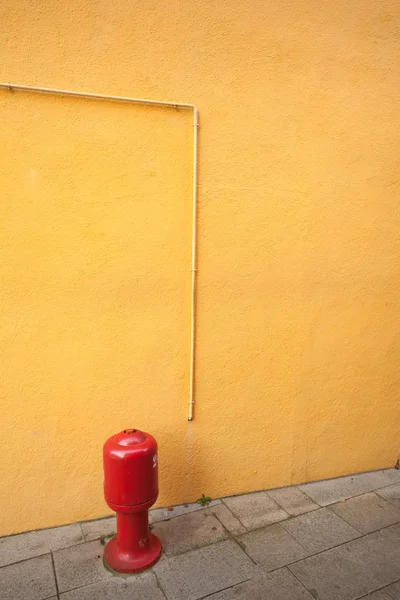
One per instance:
(123, 561)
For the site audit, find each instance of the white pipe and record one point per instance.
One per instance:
(30, 88)
(194, 264)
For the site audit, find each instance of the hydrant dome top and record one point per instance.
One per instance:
(130, 437)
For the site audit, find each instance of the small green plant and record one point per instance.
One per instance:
(203, 500)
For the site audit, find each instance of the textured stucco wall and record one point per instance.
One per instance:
(299, 247)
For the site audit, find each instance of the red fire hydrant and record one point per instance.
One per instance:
(130, 488)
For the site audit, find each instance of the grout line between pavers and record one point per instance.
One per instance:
(358, 537)
(277, 503)
(82, 533)
(378, 590)
(49, 551)
(329, 549)
(230, 587)
(301, 583)
(346, 521)
(309, 555)
(160, 587)
(387, 499)
(167, 556)
(297, 541)
(310, 497)
(360, 533)
(17, 562)
(168, 518)
(259, 565)
(232, 537)
(288, 565)
(55, 574)
(232, 496)
(390, 529)
(318, 506)
(355, 528)
(305, 483)
(122, 576)
(374, 490)
(223, 502)
(388, 593)
(288, 516)
(85, 585)
(12, 535)
(243, 547)
(233, 515)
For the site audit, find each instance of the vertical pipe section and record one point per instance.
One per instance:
(194, 263)
(44, 90)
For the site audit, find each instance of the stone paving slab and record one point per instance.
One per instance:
(320, 530)
(391, 493)
(189, 532)
(80, 565)
(353, 570)
(14, 548)
(279, 585)
(164, 514)
(94, 530)
(138, 587)
(202, 572)
(333, 490)
(272, 547)
(32, 579)
(228, 519)
(293, 500)
(367, 513)
(255, 510)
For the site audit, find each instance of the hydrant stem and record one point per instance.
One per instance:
(133, 527)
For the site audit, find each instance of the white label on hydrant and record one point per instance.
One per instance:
(154, 461)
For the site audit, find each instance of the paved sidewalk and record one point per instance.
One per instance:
(331, 540)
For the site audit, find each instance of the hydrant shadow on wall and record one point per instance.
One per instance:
(130, 489)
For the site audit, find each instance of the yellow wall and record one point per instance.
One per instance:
(299, 247)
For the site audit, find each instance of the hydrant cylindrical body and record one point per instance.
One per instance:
(130, 488)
